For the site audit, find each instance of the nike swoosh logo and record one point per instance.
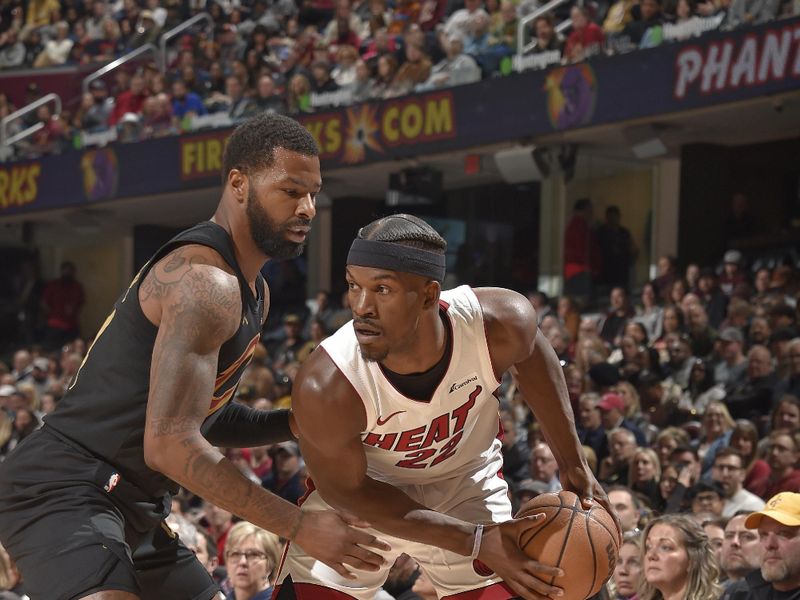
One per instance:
(382, 422)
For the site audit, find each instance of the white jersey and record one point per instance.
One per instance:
(415, 442)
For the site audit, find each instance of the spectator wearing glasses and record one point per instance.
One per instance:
(782, 456)
(728, 472)
(252, 555)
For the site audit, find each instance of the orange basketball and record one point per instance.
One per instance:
(583, 543)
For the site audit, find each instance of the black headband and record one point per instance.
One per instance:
(397, 257)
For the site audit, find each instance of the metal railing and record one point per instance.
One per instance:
(178, 29)
(104, 70)
(522, 47)
(17, 114)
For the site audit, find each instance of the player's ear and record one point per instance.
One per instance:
(431, 292)
(239, 184)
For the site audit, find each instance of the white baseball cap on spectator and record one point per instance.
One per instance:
(7, 391)
(41, 363)
(733, 257)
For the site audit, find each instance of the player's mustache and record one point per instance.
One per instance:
(366, 322)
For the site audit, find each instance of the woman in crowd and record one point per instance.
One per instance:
(786, 414)
(644, 474)
(628, 570)
(672, 322)
(649, 313)
(715, 434)
(569, 315)
(678, 562)
(251, 556)
(744, 438)
(667, 440)
(700, 392)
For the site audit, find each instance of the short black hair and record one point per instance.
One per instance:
(252, 145)
(404, 229)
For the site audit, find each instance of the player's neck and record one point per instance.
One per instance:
(249, 258)
(424, 351)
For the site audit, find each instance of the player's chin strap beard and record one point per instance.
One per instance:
(397, 257)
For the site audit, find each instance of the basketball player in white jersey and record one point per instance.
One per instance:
(398, 423)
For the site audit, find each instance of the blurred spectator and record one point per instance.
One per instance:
(733, 367)
(617, 248)
(615, 467)
(157, 117)
(786, 414)
(752, 397)
(590, 427)
(457, 68)
(387, 68)
(12, 50)
(415, 70)
(459, 22)
(287, 478)
(705, 498)
(344, 73)
(586, 38)
(97, 108)
(146, 32)
(649, 313)
(618, 16)
(782, 457)
(185, 104)
(731, 276)
(298, 95)
(321, 81)
(267, 99)
(644, 475)
(714, 301)
(612, 414)
(240, 107)
(39, 12)
(728, 471)
(628, 569)
(667, 274)
(617, 317)
(627, 507)
(129, 101)
(547, 38)
(714, 528)
(543, 467)
(790, 384)
(516, 452)
(714, 435)
(581, 253)
(55, 50)
(642, 31)
(62, 301)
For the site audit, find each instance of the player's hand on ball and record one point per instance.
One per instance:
(501, 552)
(335, 539)
(583, 482)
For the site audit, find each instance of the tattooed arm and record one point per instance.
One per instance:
(197, 307)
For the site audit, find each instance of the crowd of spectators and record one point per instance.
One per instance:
(686, 401)
(292, 57)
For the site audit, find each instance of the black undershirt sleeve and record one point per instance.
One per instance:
(239, 426)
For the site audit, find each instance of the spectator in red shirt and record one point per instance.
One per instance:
(62, 301)
(581, 252)
(130, 101)
(586, 38)
(782, 455)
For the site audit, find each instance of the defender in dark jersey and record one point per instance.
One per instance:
(82, 500)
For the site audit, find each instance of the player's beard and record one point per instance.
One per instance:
(267, 235)
(374, 355)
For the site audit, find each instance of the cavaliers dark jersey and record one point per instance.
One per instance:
(104, 409)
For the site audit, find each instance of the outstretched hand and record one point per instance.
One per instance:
(501, 552)
(336, 539)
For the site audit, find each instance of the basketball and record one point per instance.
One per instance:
(583, 543)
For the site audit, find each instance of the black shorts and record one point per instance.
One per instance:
(70, 537)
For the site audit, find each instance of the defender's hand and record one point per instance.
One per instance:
(333, 538)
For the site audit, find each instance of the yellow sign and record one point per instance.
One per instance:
(201, 157)
(19, 184)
